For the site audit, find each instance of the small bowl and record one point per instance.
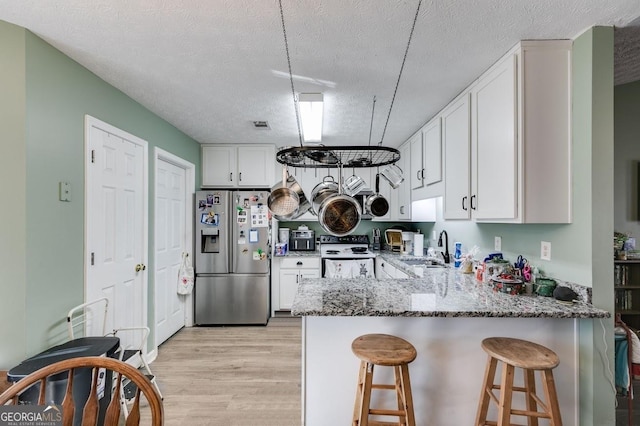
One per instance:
(507, 285)
(544, 286)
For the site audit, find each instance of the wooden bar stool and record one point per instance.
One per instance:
(530, 357)
(389, 351)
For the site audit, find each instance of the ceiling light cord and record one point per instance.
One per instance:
(400, 75)
(293, 92)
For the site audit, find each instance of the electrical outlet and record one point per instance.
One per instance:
(545, 250)
(497, 243)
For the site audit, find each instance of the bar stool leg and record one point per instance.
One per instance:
(407, 396)
(363, 419)
(530, 389)
(359, 388)
(487, 386)
(549, 385)
(506, 394)
(397, 372)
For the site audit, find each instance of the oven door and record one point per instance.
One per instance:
(347, 268)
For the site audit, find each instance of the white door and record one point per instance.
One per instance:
(116, 224)
(170, 243)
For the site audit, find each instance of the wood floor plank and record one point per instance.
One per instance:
(232, 376)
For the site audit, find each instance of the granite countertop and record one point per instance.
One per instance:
(441, 292)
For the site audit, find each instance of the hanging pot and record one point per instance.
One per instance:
(376, 204)
(327, 188)
(287, 200)
(339, 214)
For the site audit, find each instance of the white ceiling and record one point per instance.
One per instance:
(211, 67)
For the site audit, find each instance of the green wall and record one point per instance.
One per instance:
(59, 92)
(627, 157)
(13, 193)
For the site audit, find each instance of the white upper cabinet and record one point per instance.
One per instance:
(456, 134)
(432, 152)
(417, 169)
(495, 140)
(518, 166)
(238, 166)
(404, 190)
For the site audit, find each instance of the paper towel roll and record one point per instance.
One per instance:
(418, 245)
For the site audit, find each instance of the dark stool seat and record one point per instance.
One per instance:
(531, 357)
(388, 351)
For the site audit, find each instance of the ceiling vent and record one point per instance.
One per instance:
(264, 125)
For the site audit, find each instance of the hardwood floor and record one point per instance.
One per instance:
(232, 376)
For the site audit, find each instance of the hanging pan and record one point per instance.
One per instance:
(376, 204)
(283, 202)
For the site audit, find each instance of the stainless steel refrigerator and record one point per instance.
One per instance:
(232, 283)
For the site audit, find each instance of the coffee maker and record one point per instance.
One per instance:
(376, 239)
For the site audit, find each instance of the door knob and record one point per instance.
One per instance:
(140, 267)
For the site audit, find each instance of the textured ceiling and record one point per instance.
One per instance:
(211, 67)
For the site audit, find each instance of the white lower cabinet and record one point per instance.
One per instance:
(385, 270)
(286, 275)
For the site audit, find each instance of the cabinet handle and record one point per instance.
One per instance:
(299, 263)
(230, 177)
(422, 174)
(472, 206)
(401, 209)
(418, 174)
(297, 279)
(464, 207)
(240, 176)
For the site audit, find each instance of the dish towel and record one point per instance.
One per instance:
(338, 268)
(362, 268)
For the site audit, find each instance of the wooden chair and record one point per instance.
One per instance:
(90, 412)
(94, 315)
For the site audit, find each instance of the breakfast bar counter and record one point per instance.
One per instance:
(445, 314)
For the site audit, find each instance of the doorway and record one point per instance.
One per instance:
(173, 237)
(116, 236)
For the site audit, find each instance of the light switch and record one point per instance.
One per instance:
(65, 191)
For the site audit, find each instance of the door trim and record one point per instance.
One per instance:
(90, 122)
(189, 189)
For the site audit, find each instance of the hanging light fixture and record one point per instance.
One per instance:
(310, 106)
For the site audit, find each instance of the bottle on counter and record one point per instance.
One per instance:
(457, 255)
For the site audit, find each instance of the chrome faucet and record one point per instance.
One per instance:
(445, 255)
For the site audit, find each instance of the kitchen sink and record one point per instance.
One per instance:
(422, 262)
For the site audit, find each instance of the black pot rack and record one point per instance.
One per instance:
(335, 157)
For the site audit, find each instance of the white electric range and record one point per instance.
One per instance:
(346, 257)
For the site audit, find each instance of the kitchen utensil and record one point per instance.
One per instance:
(353, 184)
(393, 174)
(283, 201)
(339, 214)
(376, 204)
(322, 191)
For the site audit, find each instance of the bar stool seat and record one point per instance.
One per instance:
(389, 351)
(531, 357)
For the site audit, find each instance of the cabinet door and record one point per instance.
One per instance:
(256, 166)
(309, 273)
(383, 270)
(457, 159)
(288, 287)
(432, 152)
(416, 166)
(404, 191)
(218, 166)
(495, 150)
